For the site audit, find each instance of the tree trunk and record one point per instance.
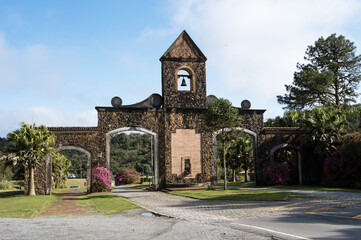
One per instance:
(224, 164)
(234, 175)
(245, 175)
(31, 190)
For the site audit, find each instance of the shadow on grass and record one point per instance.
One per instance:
(99, 196)
(9, 194)
(235, 194)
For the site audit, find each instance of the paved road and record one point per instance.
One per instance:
(324, 215)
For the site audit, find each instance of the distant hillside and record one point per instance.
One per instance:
(126, 151)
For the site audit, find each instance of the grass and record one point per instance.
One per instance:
(292, 187)
(314, 188)
(143, 185)
(236, 184)
(75, 182)
(238, 194)
(106, 203)
(13, 204)
(18, 183)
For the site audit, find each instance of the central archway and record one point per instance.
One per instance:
(155, 149)
(255, 148)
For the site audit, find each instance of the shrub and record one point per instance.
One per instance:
(5, 185)
(343, 167)
(276, 173)
(101, 180)
(127, 176)
(60, 165)
(333, 169)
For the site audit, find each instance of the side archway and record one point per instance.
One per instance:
(254, 136)
(109, 135)
(299, 160)
(61, 148)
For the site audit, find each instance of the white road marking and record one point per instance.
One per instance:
(272, 231)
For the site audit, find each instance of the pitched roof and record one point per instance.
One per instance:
(183, 48)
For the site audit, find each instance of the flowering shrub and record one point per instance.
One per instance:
(101, 180)
(343, 167)
(333, 169)
(276, 173)
(127, 176)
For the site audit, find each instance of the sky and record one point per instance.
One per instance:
(60, 59)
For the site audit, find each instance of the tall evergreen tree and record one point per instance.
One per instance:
(330, 77)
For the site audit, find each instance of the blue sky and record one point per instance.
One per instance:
(60, 59)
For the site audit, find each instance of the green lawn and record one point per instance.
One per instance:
(314, 188)
(75, 182)
(237, 194)
(106, 203)
(13, 204)
(295, 187)
(237, 184)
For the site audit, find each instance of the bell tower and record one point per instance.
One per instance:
(184, 75)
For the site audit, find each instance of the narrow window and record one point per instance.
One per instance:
(187, 166)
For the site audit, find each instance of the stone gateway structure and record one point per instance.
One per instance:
(183, 148)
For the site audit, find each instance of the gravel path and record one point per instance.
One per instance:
(67, 206)
(129, 225)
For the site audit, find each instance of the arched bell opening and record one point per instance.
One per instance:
(185, 79)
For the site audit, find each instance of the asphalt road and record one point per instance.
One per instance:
(304, 226)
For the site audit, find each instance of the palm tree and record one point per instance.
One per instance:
(324, 129)
(240, 155)
(28, 146)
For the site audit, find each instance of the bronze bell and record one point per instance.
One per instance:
(184, 84)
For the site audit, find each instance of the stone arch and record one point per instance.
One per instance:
(155, 154)
(69, 147)
(192, 80)
(299, 159)
(255, 148)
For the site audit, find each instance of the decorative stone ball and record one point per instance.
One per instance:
(117, 102)
(211, 99)
(156, 100)
(246, 104)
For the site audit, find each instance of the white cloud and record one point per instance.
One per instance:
(253, 46)
(31, 67)
(44, 115)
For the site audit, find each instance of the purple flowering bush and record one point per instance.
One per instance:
(333, 169)
(343, 167)
(276, 173)
(101, 180)
(127, 176)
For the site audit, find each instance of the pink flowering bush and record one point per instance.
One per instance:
(127, 176)
(101, 180)
(276, 173)
(333, 169)
(343, 167)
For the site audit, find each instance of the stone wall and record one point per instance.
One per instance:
(183, 99)
(82, 137)
(271, 137)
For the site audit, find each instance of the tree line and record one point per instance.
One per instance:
(321, 102)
